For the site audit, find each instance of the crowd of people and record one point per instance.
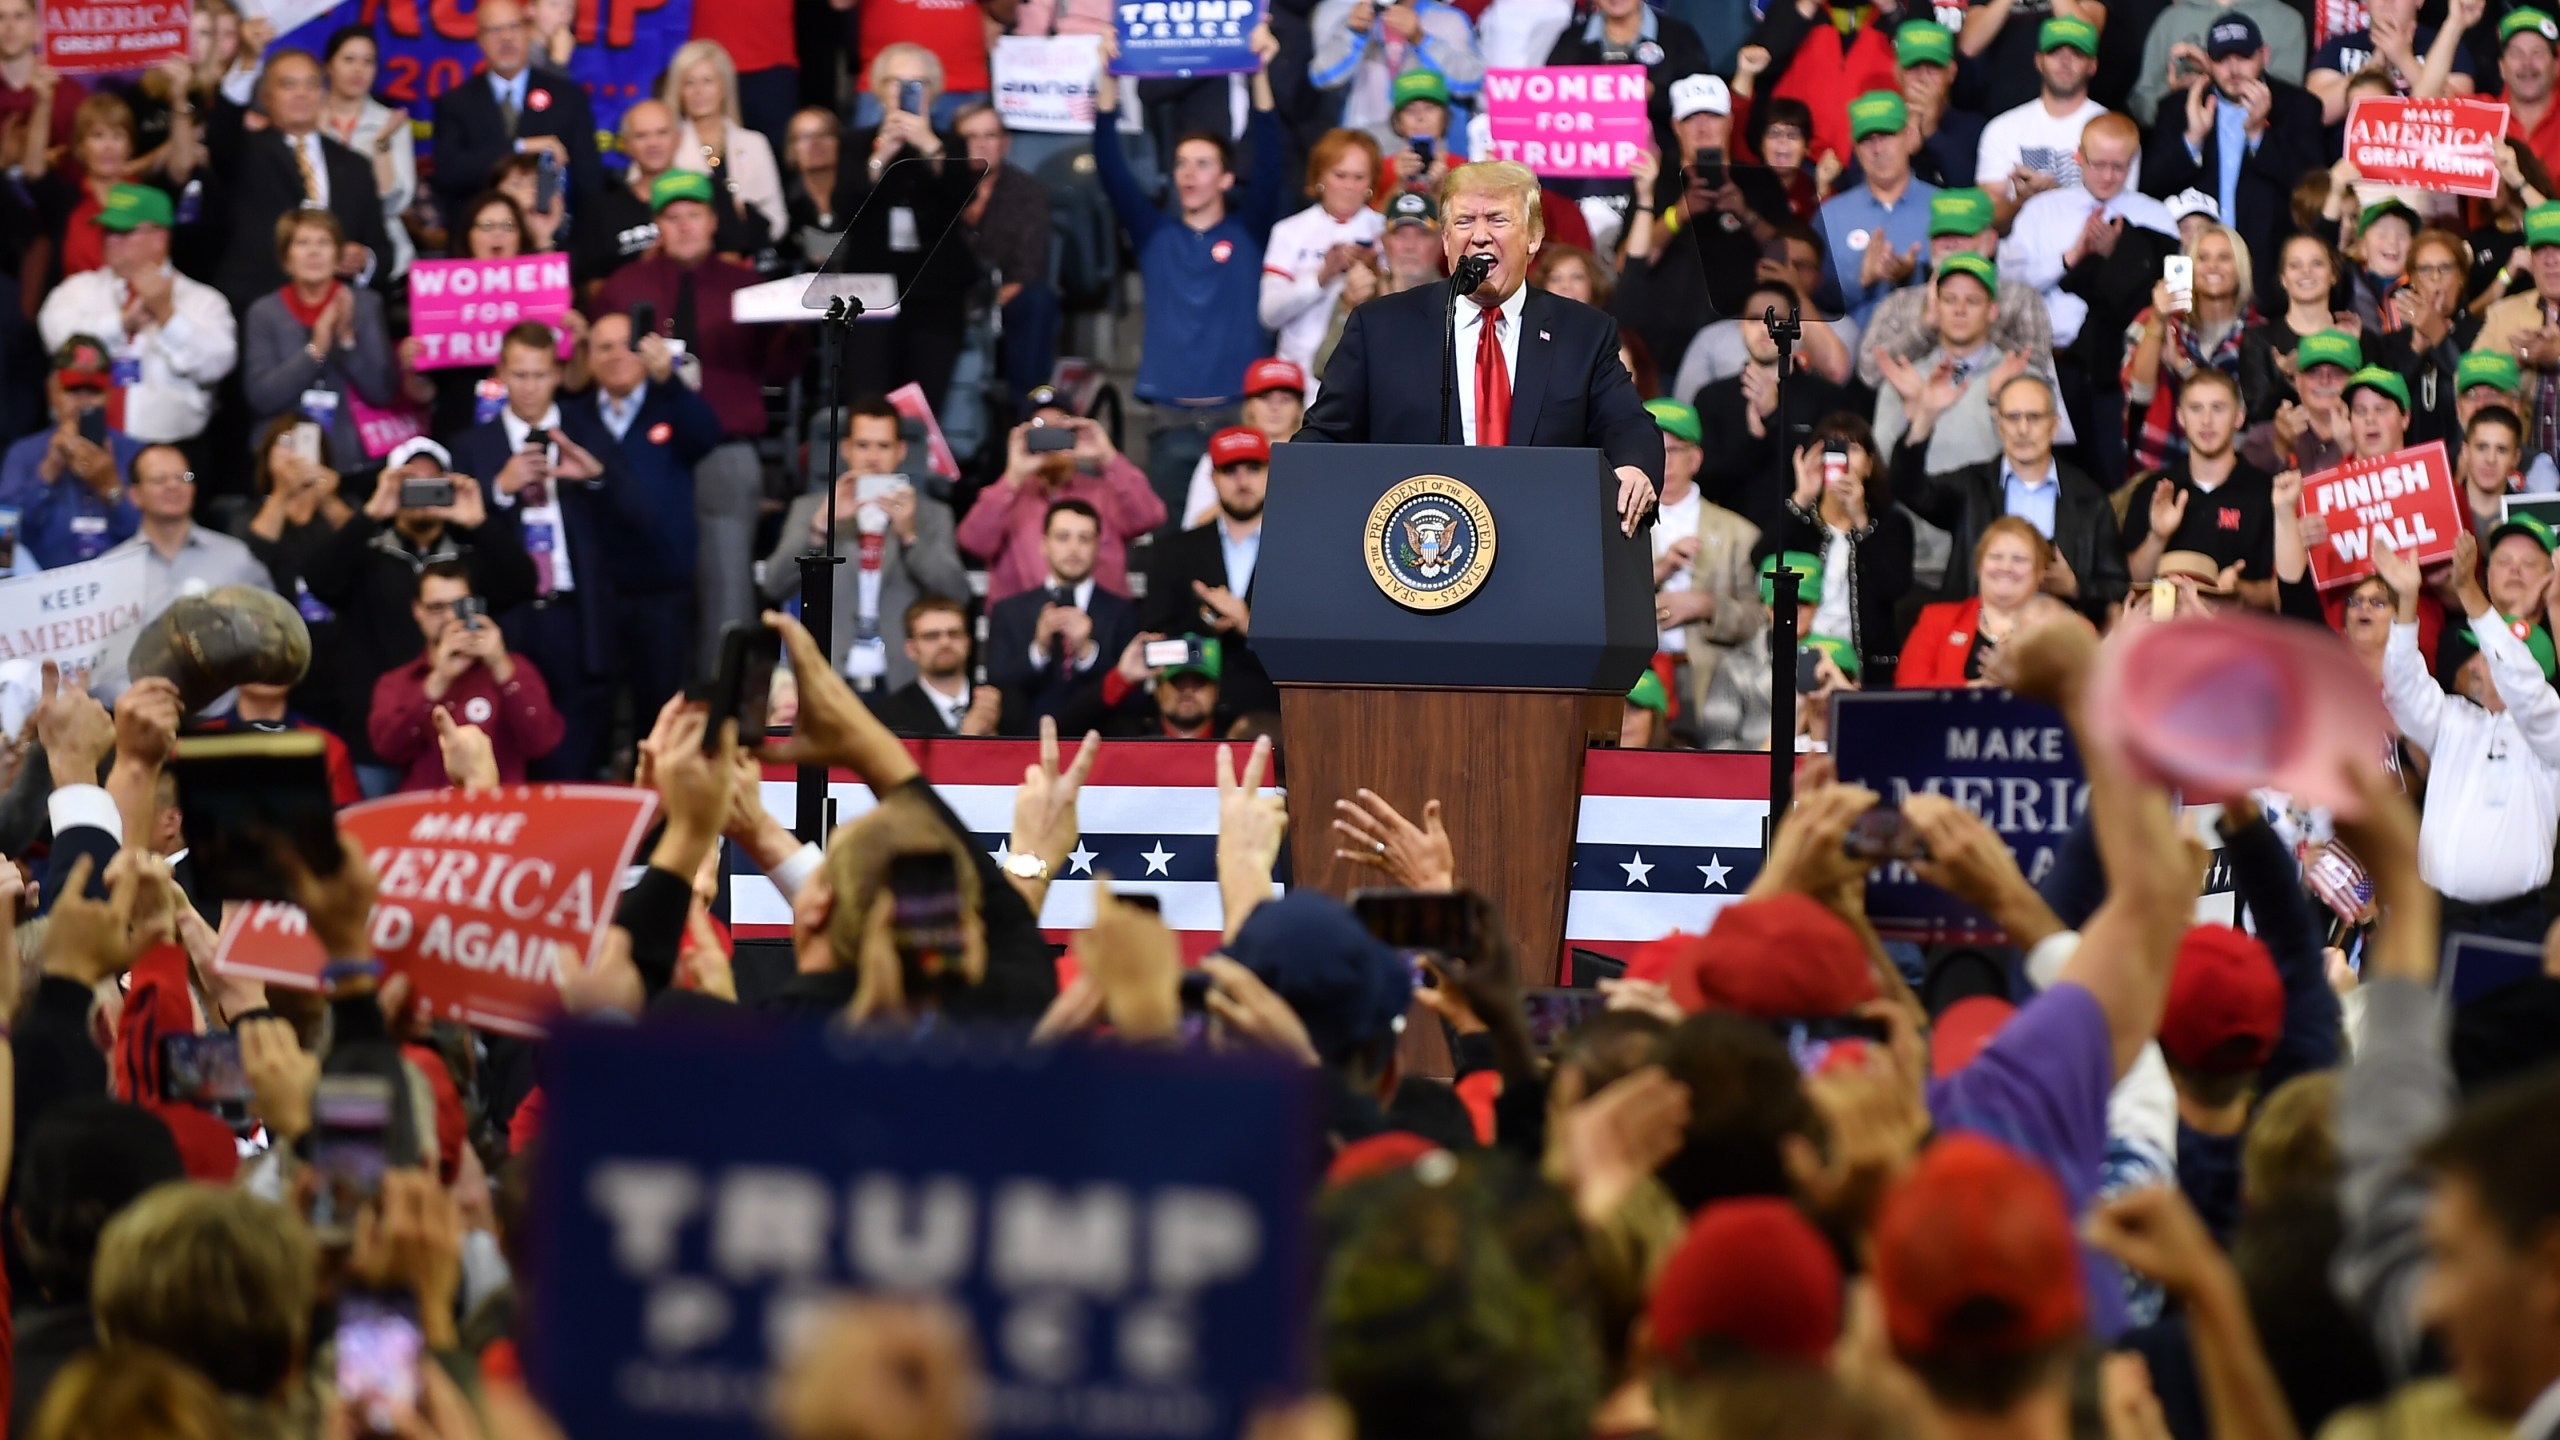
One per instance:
(2088, 296)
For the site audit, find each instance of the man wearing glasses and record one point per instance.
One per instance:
(285, 167)
(513, 106)
(180, 557)
(2027, 480)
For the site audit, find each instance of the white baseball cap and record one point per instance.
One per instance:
(2192, 201)
(413, 447)
(1693, 94)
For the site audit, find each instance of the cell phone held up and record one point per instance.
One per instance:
(2178, 272)
(1707, 172)
(380, 1347)
(435, 492)
(1442, 923)
(93, 425)
(911, 96)
(1883, 834)
(925, 923)
(245, 797)
(1049, 439)
(743, 686)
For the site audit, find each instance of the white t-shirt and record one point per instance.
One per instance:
(1677, 521)
(2033, 137)
(1292, 302)
(1831, 617)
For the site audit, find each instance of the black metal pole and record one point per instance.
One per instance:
(1782, 592)
(818, 566)
(1448, 354)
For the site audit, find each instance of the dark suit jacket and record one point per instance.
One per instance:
(1964, 501)
(593, 514)
(1568, 389)
(1172, 609)
(1030, 692)
(2264, 198)
(257, 183)
(673, 431)
(472, 137)
(907, 711)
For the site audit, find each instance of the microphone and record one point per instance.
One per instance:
(1473, 271)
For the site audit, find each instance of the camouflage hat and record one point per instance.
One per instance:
(1924, 42)
(2328, 347)
(2068, 30)
(1878, 112)
(82, 363)
(678, 185)
(2494, 368)
(1963, 211)
(131, 205)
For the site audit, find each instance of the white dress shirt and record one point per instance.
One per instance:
(2541, 1419)
(2493, 787)
(182, 361)
(2049, 225)
(953, 708)
(618, 414)
(546, 513)
(1470, 332)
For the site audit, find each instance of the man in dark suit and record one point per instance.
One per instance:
(263, 174)
(2028, 481)
(1554, 376)
(513, 106)
(1048, 645)
(664, 428)
(2241, 116)
(940, 700)
(556, 484)
(1202, 578)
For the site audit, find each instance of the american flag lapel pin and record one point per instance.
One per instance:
(1543, 335)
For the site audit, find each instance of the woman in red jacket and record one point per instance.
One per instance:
(1949, 640)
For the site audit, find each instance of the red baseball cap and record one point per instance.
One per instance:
(1751, 1274)
(1962, 1030)
(1377, 1155)
(1274, 373)
(1780, 958)
(2218, 706)
(1974, 1255)
(1237, 444)
(2226, 1003)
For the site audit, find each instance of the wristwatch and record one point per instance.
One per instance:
(1026, 867)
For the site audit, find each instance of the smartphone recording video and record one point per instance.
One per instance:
(1553, 1012)
(351, 1122)
(380, 1345)
(1883, 834)
(202, 1070)
(1443, 924)
(743, 688)
(924, 923)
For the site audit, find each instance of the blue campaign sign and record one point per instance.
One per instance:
(1126, 1229)
(430, 46)
(1184, 38)
(2008, 760)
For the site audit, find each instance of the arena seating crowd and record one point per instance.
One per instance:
(2088, 292)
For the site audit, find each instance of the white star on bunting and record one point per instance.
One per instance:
(1156, 859)
(1080, 860)
(1715, 870)
(1637, 869)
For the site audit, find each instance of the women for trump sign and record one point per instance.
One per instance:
(460, 310)
(1568, 120)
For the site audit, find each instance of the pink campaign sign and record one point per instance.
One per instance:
(460, 309)
(1568, 121)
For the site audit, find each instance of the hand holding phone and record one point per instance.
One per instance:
(744, 685)
(2178, 272)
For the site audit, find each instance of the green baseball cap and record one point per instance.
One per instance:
(2532, 526)
(1418, 85)
(2064, 30)
(1808, 568)
(1924, 42)
(1413, 208)
(1649, 694)
(1965, 262)
(2328, 347)
(2537, 641)
(1959, 212)
(1677, 418)
(131, 205)
(2382, 382)
(1878, 112)
(1842, 653)
(678, 185)
(2383, 209)
(2531, 20)
(1211, 660)
(2494, 368)
(2542, 224)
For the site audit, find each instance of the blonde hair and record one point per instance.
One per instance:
(2244, 291)
(1512, 181)
(217, 1277)
(890, 55)
(688, 55)
(130, 1392)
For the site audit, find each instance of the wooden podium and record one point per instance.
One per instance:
(1485, 704)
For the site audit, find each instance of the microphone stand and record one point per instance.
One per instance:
(1782, 594)
(1478, 267)
(818, 566)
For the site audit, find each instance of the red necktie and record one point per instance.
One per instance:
(1493, 384)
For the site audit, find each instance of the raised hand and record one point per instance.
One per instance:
(2168, 508)
(2398, 571)
(1251, 826)
(1044, 805)
(1376, 835)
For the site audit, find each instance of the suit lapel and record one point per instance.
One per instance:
(1529, 377)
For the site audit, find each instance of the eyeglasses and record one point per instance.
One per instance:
(181, 477)
(494, 227)
(2368, 602)
(2438, 270)
(441, 607)
(2025, 417)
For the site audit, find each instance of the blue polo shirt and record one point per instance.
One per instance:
(65, 522)
(1204, 287)
(1852, 220)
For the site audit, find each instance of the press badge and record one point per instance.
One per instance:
(125, 369)
(487, 399)
(313, 612)
(866, 660)
(537, 537)
(320, 407)
(902, 227)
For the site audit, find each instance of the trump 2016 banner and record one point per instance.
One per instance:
(98, 39)
(1568, 120)
(1123, 1229)
(461, 309)
(430, 46)
(1184, 38)
(2405, 499)
(475, 892)
(2449, 146)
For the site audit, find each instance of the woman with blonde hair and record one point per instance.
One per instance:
(701, 86)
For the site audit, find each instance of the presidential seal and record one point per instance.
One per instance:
(1430, 542)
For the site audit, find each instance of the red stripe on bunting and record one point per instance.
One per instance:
(1677, 775)
(1120, 762)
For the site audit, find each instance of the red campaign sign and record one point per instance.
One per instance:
(474, 892)
(2406, 498)
(102, 38)
(2449, 146)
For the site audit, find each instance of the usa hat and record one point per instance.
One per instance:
(1699, 95)
(2233, 34)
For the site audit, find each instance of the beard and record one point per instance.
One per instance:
(1233, 513)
